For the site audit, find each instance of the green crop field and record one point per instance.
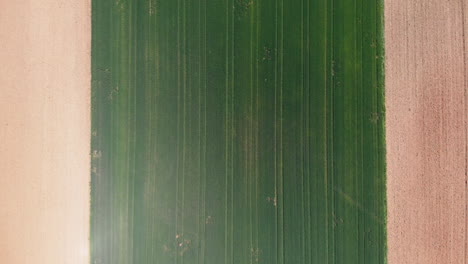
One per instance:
(238, 131)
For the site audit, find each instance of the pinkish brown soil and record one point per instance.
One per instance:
(426, 131)
(44, 131)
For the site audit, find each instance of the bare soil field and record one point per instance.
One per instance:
(426, 131)
(44, 131)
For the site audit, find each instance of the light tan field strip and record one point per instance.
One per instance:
(426, 131)
(44, 131)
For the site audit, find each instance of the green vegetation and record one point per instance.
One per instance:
(237, 131)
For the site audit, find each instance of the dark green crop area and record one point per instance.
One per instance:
(237, 132)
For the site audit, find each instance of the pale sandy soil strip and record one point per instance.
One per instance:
(44, 131)
(465, 56)
(426, 131)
